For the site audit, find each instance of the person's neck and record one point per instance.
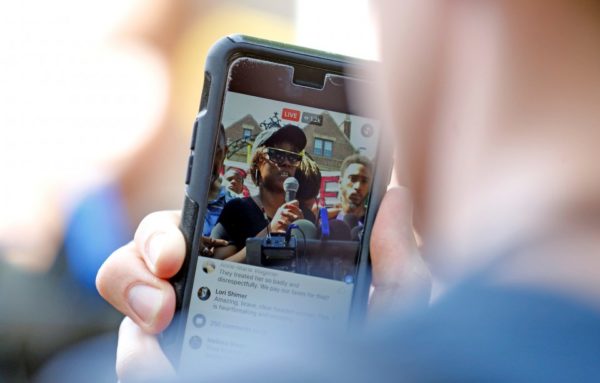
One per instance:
(357, 211)
(551, 68)
(528, 152)
(271, 200)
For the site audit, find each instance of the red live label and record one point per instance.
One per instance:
(290, 114)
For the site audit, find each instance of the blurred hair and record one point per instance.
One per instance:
(356, 159)
(309, 178)
(254, 171)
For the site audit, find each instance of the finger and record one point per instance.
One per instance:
(291, 217)
(295, 203)
(280, 226)
(214, 242)
(219, 243)
(392, 240)
(399, 274)
(394, 182)
(140, 357)
(125, 281)
(207, 245)
(293, 209)
(161, 243)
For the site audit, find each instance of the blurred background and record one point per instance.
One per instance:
(97, 101)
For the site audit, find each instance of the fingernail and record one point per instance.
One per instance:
(155, 246)
(145, 301)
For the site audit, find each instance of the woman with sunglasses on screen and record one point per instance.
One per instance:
(276, 155)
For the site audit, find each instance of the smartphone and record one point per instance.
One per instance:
(283, 183)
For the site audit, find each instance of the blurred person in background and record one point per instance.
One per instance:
(103, 99)
(494, 105)
(109, 92)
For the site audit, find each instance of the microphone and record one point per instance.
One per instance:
(290, 186)
(305, 226)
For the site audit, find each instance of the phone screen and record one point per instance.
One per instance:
(263, 268)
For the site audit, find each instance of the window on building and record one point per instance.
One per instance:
(247, 133)
(318, 147)
(323, 147)
(327, 148)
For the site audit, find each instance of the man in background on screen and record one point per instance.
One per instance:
(356, 174)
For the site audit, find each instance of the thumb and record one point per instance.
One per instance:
(400, 276)
(140, 357)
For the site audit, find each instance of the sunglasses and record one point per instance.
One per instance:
(280, 156)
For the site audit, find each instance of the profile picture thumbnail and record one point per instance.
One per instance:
(195, 342)
(209, 266)
(203, 293)
(199, 320)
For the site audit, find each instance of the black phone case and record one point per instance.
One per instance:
(203, 144)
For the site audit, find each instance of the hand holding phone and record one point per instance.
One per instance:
(396, 263)
(311, 262)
